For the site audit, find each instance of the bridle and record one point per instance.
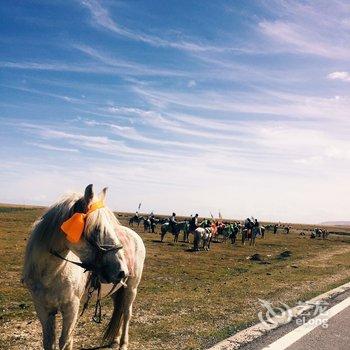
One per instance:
(94, 283)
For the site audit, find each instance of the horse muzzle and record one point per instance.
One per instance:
(108, 277)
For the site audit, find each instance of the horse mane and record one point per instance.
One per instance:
(44, 234)
(104, 220)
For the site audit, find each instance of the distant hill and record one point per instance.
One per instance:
(336, 223)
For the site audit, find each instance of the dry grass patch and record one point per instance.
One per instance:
(186, 300)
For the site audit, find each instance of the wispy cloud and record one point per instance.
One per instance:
(241, 110)
(201, 144)
(109, 67)
(65, 98)
(135, 68)
(102, 17)
(286, 139)
(314, 28)
(53, 148)
(101, 144)
(263, 102)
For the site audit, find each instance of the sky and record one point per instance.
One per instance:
(187, 106)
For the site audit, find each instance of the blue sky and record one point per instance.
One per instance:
(187, 106)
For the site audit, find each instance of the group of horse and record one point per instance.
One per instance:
(319, 232)
(203, 235)
(148, 224)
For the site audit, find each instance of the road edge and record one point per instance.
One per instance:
(256, 331)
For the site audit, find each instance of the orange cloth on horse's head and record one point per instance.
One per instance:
(74, 226)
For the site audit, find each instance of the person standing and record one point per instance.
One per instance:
(255, 231)
(214, 228)
(275, 228)
(246, 231)
(173, 223)
(193, 227)
(152, 221)
(234, 231)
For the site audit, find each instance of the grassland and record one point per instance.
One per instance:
(186, 300)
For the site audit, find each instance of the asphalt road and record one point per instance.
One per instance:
(335, 337)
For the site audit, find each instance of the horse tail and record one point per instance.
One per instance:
(116, 320)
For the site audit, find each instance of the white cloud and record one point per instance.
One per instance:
(344, 76)
(191, 83)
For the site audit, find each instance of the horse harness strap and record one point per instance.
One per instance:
(82, 265)
(93, 283)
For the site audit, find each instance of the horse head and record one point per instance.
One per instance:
(99, 247)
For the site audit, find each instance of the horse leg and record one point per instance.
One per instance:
(47, 319)
(195, 242)
(130, 295)
(252, 242)
(69, 320)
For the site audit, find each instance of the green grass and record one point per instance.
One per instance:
(186, 300)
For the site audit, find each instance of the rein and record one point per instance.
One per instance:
(86, 267)
(94, 283)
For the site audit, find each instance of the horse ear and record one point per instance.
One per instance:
(89, 194)
(102, 194)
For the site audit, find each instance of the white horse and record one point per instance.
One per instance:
(202, 234)
(113, 254)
